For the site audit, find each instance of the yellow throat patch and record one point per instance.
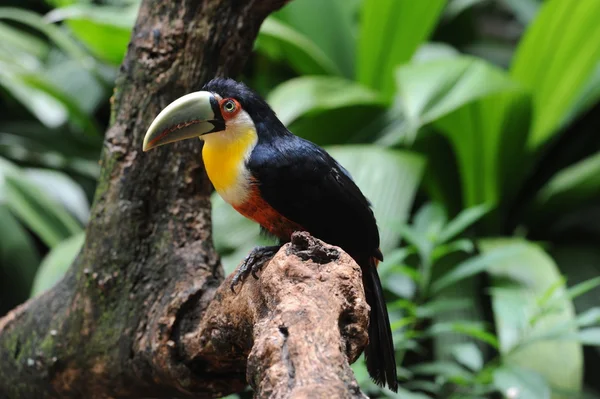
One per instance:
(224, 154)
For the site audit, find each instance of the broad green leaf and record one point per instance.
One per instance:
(28, 202)
(429, 90)
(56, 263)
(559, 362)
(388, 178)
(54, 33)
(70, 104)
(22, 40)
(524, 10)
(461, 222)
(587, 97)
(488, 138)
(406, 394)
(390, 33)
(19, 256)
(105, 30)
(327, 24)
(441, 368)
(62, 189)
(589, 336)
(517, 382)
(312, 94)
(575, 185)
(471, 329)
(456, 7)
(281, 41)
(476, 265)
(469, 355)
(484, 114)
(555, 59)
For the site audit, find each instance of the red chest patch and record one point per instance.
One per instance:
(257, 209)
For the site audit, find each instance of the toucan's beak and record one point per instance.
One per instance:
(190, 116)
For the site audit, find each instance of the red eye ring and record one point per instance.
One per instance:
(229, 108)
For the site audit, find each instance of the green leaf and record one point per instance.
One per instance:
(312, 94)
(331, 28)
(469, 328)
(38, 212)
(584, 287)
(278, 40)
(555, 59)
(560, 363)
(461, 222)
(589, 336)
(457, 7)
(430, 90)
(56, 263)
(517, 382)
(22, 40)
(475, 265)
(62, 189)
(54, 33)
(524, 10)
(406, 394)
(571, 187)
(469, 355)
(587, 97)
(19, 256)
(105, 29)
(441, 368)
(390, 33)
(47, 109)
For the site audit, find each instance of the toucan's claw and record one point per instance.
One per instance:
(253, 263)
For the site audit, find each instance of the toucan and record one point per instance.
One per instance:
(284, 183)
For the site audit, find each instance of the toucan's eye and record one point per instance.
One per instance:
(229, 106)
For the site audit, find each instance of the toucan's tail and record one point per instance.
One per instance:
(379, 354)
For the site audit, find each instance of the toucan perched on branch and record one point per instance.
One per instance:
(285, 184)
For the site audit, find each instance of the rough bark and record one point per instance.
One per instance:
(298, 327)
(137, 315)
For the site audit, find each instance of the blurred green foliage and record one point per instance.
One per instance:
(472, 125)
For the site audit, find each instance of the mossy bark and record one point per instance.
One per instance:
(113, 326)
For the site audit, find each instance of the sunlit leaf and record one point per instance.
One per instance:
(311, 94)
(62, 189)
(279, 40)
(105, 30)
(524, 10)
(469, 355)
(475, 265)
(572, 186)
(390, 33)
(327, 24)
(559, 362)
(461, 222)
(517, 382)
(41, 214)
(19, 256)
(56, 263)
(555, 59)
(54, 33)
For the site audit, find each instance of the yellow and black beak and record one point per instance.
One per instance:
(192, 115)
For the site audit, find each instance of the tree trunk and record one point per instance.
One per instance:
(131, 318)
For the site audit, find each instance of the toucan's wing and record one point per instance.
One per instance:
(306, 185)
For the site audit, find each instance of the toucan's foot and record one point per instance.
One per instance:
(253, 263)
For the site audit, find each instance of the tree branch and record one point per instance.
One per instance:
(300, 324)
